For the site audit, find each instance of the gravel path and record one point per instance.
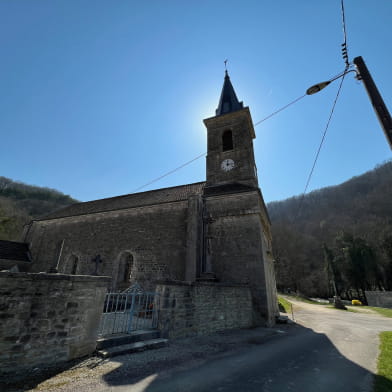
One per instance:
(94, 374)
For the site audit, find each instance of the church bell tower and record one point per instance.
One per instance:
(230, 134)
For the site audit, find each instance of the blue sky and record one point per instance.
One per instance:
(98, 97)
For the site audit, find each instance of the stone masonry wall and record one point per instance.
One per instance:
(188, 309)
(239, 251)
(155, 236)
(382, 299)
(48, 318)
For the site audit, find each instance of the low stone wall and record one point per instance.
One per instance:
(188, 309)
(382, 299)
(48, 318)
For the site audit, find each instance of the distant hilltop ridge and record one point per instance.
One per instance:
(370, 192)
(19, 203)
(344, 198)
(361, 207)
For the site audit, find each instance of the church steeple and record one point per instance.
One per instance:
(230, 134)
(228, 101)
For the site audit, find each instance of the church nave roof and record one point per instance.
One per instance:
(157, 196)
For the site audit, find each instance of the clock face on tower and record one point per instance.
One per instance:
(227, 165)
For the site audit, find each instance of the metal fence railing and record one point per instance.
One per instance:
(129, 311)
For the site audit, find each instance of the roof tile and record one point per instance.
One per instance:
(158, 196)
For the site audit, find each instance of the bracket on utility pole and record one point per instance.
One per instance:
(376, 98)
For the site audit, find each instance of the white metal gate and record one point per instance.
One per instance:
(130, 310)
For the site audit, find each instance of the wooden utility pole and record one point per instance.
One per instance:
(375, 98)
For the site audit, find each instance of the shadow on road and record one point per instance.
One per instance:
(295, 359)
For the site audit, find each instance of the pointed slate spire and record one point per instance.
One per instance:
(228, 101)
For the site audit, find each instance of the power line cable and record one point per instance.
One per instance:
(279, 110)
(204, 154)
(255, 125)
(346, 60)
(344, 44)
(345, 57)
(170, 172)
(320, 146)
(343, 22)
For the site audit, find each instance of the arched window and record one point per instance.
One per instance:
(227, 141)
(125, 267)
(73, 264)
(128, 268)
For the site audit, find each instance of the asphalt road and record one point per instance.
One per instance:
(328, 350)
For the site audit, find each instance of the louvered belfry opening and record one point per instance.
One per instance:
(227, 141)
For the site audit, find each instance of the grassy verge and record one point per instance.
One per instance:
(303, 299)
(383, 379)
(383, 311)
(344, 310)
(284, 305)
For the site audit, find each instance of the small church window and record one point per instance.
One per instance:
(74, 264)
(227, 141)
(125, 268)
(128, 268)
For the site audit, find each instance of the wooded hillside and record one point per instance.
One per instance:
(340, 235)
(19, 203)
(333, 240)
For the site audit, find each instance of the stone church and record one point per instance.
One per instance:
(213, 231)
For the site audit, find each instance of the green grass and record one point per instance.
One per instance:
(383, 311)
(303, 299)
(284, 305)
(344, 310)
(383, 379)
